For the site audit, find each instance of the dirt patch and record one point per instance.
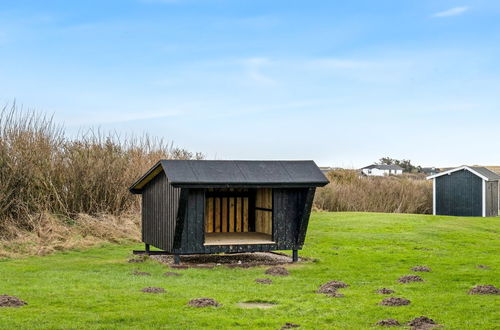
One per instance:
(203, 302)
(264, 280)
(151, 289)
(136, 260)
(171, 274)
(394, 301)
(138, 273)
(422, 322)
(483, 267)
(385, 291)
(11, 301)
(421, 269)
(243, 260)
(256, 304)
(410, 278)
(277, 271)
(289, 325)
(179, 266)
(206, 266)
(388, 323)
(484, 289)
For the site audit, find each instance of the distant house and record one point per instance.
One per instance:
(382, 170)
(430, 170)
(326, 169)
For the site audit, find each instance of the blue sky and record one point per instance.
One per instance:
(340, 82)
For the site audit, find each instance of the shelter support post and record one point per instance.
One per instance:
(295, 255)
(146, 247)
(177, 259)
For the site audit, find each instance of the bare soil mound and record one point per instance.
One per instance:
(11, 301)
(277, 271)
(243, 260)
(138, 273)
(421, 269)
(422, 322)
(388, 323)
(153, 290)
(410, 278)
(289, 325)
(484, 289)
(394, 301)
(331, 288)
(264, 280)
(385, 291)
(203, 302)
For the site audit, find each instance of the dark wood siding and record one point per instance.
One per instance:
(289, 206)
(459, 194)
(492, 199)
(159, 210)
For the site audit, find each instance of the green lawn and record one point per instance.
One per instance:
(94, 289)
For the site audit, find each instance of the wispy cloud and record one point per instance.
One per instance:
(255, 67)
(451, 12)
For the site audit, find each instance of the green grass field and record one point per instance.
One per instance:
(94, 289)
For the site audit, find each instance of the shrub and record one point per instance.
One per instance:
(44, 171)
(348, 191)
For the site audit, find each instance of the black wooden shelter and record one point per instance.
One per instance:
(466, 191)
(213, 206)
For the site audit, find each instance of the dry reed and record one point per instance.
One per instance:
(43, 172)
(348, 191)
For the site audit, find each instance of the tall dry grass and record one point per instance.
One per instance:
(347, 191)
(43, 171)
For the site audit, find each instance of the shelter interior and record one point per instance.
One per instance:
(238, 216)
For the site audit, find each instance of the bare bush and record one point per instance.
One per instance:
(347, 191)
(42, 171)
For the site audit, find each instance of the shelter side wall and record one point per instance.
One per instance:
(492, 199)
(459, 194)
(159, 211)
(288, 205)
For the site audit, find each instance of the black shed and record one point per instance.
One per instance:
(213, 206)
(466, 191)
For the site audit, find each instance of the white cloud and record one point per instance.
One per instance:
(255, 67)
(451, 12)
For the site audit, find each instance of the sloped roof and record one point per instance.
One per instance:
(481, 172)
(384, 167)
(226, 173)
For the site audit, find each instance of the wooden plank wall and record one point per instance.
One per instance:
(459, 194)
(492, 199)
(159, 211)
(264, 211)
(226, 214)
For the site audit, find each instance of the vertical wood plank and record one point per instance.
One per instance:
(232, 227)
(217, 217)
(224, 215)
(245, 214)
(209, 215)
(238, 215)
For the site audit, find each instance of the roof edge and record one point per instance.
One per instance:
(136, 187)
(465, 167)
